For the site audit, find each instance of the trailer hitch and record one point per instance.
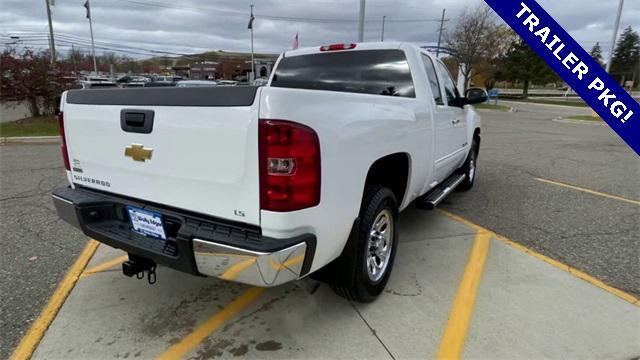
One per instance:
(138, 266)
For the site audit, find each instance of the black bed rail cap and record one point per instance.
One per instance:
(166, 96)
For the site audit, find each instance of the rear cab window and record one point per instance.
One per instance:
(449, 85)
(434, 84)
(379, 72)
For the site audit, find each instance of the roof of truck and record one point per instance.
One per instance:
(358, 46)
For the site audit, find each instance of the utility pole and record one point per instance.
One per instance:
(361, 24)
(440, 32)
(382, 35)
(73, 59)
(52, 45)
(87, 6)
(615, 35)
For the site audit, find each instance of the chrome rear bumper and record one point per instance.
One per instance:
(196, 245)
(249, 267)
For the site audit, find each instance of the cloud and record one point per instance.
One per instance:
(142, 28)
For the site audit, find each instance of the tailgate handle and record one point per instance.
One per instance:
(136, 121)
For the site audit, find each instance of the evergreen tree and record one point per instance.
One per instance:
(596, 54)
(522, 64)
(626, 57)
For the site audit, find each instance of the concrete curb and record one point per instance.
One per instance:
(560, 119)
(30, 140)
(511, 109)
(557, 105)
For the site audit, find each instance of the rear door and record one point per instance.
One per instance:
(200, 152)
(443, 123)
(454, 127)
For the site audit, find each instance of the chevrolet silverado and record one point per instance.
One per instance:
(265, 185)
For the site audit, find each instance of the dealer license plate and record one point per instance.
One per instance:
(146, 222)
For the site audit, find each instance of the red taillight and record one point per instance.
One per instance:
(335, 47)
(63, 139)
(289, 166)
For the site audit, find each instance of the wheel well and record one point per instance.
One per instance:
(391, 171)
(476, 137)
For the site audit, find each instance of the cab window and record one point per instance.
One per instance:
(433, 79)
(450, 88)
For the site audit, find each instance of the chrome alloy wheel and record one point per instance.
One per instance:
(472, 166)
(380, 245)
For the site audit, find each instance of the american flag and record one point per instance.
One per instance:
(296, 43)
(88, 7)
(251, 18)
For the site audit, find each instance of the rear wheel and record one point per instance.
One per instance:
(469, 168)
(362, 271)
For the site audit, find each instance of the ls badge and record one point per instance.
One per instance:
(138, 152)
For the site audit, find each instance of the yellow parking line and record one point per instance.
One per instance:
(575, 272)
(287, 264)
(29, 342)
(178, 350)
(452, 341)
(589, 191)
(235, 270)
(105, 265)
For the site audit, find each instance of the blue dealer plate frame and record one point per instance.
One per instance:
(145, 222)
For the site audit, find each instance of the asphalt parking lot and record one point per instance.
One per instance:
(524, 305)
(38, 247)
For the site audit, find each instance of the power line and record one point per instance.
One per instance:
(104, 44)
(34, 41)
(267, 16)
(118, 42)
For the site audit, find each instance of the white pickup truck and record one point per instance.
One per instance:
(264, 185)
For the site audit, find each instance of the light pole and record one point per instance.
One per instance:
(615, 35)
(382, 35)
(361, 24)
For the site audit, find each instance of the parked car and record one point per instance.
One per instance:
(227, 82)
(196, 83)
(169, 79)
(132, 81)
(265, 185)
(260, 81)
(163, 81)
(97, 82)
(241, 79)
(135, 84)
(132, 78)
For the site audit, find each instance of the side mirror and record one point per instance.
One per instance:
(475, 96)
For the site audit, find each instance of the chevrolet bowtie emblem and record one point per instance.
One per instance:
(138, 152)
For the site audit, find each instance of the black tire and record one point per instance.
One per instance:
(469, 168)
(349, 276)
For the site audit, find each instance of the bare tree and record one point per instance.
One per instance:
(475, 39)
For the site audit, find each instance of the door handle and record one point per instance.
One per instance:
(136, 121)
(455, 121)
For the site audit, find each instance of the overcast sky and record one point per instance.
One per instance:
(189, 26)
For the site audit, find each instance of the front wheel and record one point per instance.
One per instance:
(362, 271)
(469, 168)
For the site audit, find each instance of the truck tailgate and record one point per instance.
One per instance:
(201, 154)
